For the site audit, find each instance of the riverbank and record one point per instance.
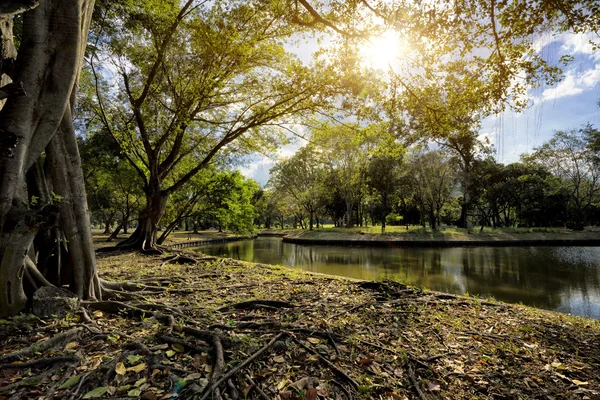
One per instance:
(443, 239)
(270, 332)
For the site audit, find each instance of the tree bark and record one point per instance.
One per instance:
(48, 64)
(145, 235)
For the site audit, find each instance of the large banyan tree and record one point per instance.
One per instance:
(45, 234)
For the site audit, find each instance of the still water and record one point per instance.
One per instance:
(565, 279)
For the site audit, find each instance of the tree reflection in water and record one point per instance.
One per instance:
(565, 279)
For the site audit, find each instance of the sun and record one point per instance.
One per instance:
(383, 51)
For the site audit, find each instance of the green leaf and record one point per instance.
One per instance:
(98, 392)
(134, 392)
(72, 381)
(133, 359)
(140, 382)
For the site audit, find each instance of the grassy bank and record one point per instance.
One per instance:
(445, 235)
(289, 334)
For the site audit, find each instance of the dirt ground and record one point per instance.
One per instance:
(225, 329)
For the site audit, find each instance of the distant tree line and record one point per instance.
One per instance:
(352, 176)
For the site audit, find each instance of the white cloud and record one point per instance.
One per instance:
(574, 43)
(258, 170)
(487, 137)
(573, 84)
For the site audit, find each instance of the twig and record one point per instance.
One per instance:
(255, 386)
(329, 363)
(413, 379)
(346, 392)
(242, 365)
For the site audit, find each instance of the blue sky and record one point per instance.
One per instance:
(570, 104)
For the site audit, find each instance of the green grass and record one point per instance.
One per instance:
(419, 230)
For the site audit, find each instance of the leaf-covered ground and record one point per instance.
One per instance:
(233, 330)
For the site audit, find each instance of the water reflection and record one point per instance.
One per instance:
(565, 279)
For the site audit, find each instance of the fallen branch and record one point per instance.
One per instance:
(235, 370)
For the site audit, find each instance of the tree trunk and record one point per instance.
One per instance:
(48, 64)
(144, 236)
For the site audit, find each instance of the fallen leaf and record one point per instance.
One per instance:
(282, 384)
(148, 396)
(192, 377)
(580, 383)
(134, 392)
(170, 353)
(279, 359)
(311, 394)
(133, 359)
(365, 361)
(96, 393)
(314, 340)
(178, 348)
(140, 382)
(120, 368)
(72, 381)
(71, 345)
(433, 387)
(137, 368)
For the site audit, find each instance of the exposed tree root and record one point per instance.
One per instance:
(131, 287)
(41, 363)
(254, 386)
(415, 382)
(42, 346)
(186, 345)
(33, 381)
(346, 391)
(115, 307)
(256, 304)
(180, 259)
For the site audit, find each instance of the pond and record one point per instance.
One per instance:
(564, 279)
